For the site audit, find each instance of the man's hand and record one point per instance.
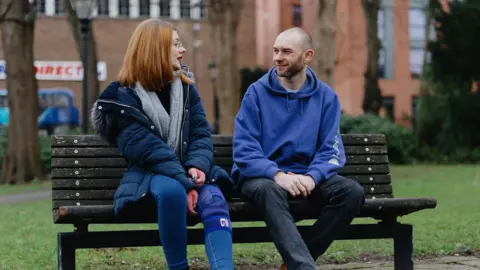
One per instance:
(192, 199)
(197, 176)
(306, 181)
(290, 183)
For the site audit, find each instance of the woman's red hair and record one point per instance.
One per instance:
(148, 58)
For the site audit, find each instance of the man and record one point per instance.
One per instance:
(287, 144)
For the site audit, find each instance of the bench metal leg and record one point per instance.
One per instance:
(65, 254)
(403, 247)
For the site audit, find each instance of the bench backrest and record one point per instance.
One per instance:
(86, 170)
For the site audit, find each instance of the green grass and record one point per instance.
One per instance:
(28, 237)
(15, 189)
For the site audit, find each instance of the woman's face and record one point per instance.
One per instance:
(177, 51)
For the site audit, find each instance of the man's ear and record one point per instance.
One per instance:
(309, 55)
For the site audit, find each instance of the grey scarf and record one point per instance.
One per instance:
(168, 125)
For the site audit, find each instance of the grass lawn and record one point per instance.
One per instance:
(28, 237)
(15, 189)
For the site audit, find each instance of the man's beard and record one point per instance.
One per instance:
(293, 69)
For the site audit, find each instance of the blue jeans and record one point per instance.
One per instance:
(171, 201)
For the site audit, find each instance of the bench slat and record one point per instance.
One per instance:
(118, 172)
(94, 140)
(243, 211)
(59, 203)
(120, 162)
(219, 151)
(85, 183)
(100, 194)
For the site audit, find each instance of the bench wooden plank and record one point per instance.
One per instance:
(120, 162)
(107, 183)
(118, 172)
(94, 140)
(244, 211)
(219, 151)
(59, 203)
(100, 194)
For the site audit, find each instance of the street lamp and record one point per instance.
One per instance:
(84, 10)
(213, 76)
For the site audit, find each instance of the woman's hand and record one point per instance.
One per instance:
(197, 176)
(192, 198)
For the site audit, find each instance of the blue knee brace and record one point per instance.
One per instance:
(213, 209)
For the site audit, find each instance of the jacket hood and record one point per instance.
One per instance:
(103, 122)
(270, 82)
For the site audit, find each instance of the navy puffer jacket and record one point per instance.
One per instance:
(118, 117)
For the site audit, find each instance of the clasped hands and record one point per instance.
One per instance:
(295, 184)
(198, 178)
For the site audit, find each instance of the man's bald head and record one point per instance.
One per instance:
(292, 51)
(297, 36)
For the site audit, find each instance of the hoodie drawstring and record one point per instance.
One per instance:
(288, 105)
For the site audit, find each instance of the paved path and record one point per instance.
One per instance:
(449, 262)
(25, 197)
(440, 263)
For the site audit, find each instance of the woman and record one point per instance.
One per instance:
(155, 117)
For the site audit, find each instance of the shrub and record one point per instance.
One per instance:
(401, 141)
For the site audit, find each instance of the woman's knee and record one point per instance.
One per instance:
(168, 190)
(213, 209)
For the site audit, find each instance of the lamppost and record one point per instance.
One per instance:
(213, 75)
(84, 10)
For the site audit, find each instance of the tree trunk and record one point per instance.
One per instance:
(372, 99)
(22, 160)
(325, 41)
(224, 16)
(92, 72)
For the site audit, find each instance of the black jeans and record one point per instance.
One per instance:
(338, 200)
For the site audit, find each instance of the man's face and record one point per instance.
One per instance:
(289, 56)
(177, 51)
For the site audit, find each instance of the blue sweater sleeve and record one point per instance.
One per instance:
(247, 150)
(330, 155)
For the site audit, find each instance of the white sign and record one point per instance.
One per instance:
(59, 70)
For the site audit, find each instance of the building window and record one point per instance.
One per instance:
(41, 6)
(124, 7)
(415, 101)
(58, 7)
(145, 8)
(202, 9)
(385, 35)
(185, 8)
(297, 15)
(388, 108)
(164, 8)
(102, 7)
(417, 33)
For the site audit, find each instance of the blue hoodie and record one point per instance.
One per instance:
(289, 131)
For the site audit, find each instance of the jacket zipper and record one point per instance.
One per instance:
(183, 123)
(123, 105)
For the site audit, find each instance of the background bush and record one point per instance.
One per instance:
(401, 141)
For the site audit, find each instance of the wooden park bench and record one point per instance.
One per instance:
(86, 172)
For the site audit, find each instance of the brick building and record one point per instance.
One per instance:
(401, 30)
